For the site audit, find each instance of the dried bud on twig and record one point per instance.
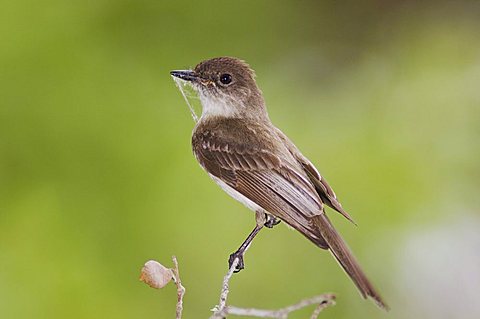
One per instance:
(156, 275)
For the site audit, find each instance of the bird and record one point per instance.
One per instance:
(254, 162)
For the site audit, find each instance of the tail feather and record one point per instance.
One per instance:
(345, 258)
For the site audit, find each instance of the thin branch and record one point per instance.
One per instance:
(180, 288)
(222, 310)
(322, 306)
(157, 276)
(323, 302)
(218, 311)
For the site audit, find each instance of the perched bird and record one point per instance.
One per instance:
(255, 163)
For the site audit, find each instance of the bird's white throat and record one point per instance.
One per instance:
(219, 105)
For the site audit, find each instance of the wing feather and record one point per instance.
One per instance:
(324, 190)
(265, 179)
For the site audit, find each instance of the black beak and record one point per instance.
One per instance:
(186, 75)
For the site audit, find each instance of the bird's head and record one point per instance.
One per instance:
(226, 87)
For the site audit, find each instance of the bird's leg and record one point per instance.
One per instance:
(241, 250)
(261, 221)
(271, 221)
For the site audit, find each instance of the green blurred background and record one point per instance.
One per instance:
(97, 174)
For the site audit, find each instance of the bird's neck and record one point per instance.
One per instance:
(219, 106)
(227, 107)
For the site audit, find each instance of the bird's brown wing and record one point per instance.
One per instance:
(265, 179)
(324, 190)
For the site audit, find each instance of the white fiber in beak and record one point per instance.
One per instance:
(184, 87)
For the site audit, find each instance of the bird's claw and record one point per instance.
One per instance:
(271, 221)
(240, 265)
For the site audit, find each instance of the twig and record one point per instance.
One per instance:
(323, 302)
(157, 276)
(323, 305)
(180, 288)
(222, 310)
(221, 307)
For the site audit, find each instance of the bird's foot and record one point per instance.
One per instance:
(240, 265)
(271, 221)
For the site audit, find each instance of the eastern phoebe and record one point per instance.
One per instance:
(258, 165)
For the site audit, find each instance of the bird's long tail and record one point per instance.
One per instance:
(345, 258)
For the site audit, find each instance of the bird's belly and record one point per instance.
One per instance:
(236, 195)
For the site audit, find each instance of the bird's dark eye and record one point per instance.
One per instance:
(226, 78)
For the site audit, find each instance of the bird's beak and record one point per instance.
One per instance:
(187, 75)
